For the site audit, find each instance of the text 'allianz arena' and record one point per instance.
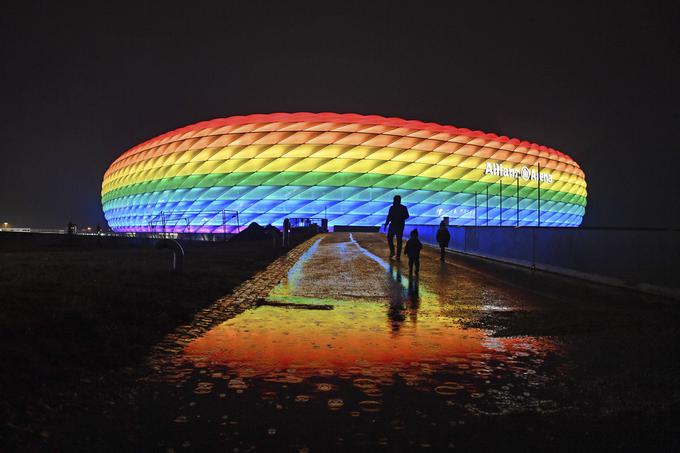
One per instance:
(218, 175)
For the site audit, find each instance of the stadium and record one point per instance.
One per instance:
(220, 175)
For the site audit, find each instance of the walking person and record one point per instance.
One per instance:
(396, 219)
(412, 250)
(443, 238)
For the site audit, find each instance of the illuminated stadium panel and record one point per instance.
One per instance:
(344, 167)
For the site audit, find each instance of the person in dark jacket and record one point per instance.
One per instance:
(396, 219)
(443, 238)
(412, 250)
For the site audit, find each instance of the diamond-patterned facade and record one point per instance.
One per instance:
(344, 167)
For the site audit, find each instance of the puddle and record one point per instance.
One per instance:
(359, 338)
(391, 350)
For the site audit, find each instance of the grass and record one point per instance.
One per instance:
(68, 315)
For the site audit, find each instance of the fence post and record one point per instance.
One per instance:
(475, 208)
(165, 234)
(487, 205)
(533, 249)
(500, 211)
(177, 263)
(539, 193)
(517, 202)
(286, 233)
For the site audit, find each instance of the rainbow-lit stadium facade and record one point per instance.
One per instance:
(344, 167)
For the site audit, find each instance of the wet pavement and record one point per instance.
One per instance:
(350, 352)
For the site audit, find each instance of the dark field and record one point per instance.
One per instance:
(75, 321)
(486, 357)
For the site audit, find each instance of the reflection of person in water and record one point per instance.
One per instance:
(396, 311)
(413, 299)
(397, 316)
(403, 301)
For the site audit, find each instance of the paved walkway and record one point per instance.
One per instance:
(348, 351)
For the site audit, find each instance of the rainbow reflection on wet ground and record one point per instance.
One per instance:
(350, 351)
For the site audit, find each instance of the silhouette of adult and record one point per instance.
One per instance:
(396, 219)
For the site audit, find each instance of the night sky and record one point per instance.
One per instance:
(82, 83)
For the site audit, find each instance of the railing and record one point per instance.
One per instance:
(640, 258)
(166, 223)
(505, 195)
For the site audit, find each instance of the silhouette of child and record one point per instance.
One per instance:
(443, 238)
(412, 250)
